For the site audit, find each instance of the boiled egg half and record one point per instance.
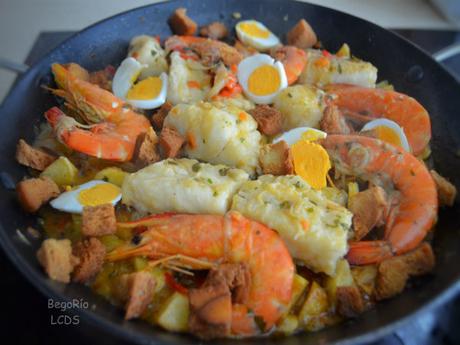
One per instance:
(311, 160)
(261, 78)
(148, 93)
(300, 133)
(92, 193)
(388, 131)
(256, 35)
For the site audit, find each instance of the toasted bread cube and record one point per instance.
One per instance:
(269, 119)
(159, 116)
(33, 193)
(276, 159)
(57, 259)
(302, 35)
(446, 190)
(91, 254)
(32, 157)
(145, 152)
(171, 142)
(99, 220)
(181, 24)
(393, 273)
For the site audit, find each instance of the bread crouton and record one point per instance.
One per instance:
(33, 193)
(145, 152)
(171, 142)
(276, 159)
(349, 301)
(57, 259)
(369, 209)
(236, 276)
(269, 120)
(215, 31)
(446, 190)
(91, 254)
(181, 24)
(302, 35)
(159, 117)
(210, 310)
(32, 157)
(99, 220)
(136, 290)
(393, 273)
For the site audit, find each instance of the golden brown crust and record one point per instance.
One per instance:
(269, 119)
(349, 301)
(99, 220)
(137, 290)
(159, 117)
(215, 30)
(33, 193)
(32, 157)
(446, 190)
(302, 35)
(91, 254)
(181, 24)
(369, 209)
(145, 152)
(210, 311)
(393, 273)
(171, 142)
(276, 159)
(56, 258)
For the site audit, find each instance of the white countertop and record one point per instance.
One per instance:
(22, 20)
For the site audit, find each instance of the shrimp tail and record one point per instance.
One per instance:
(368, 252)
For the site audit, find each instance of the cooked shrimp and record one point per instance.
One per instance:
(211, 51)
(369, 103)
(380, 163)
(230, 238)
(293, 60)
(114, 136)
(91, 102)
(113, 139)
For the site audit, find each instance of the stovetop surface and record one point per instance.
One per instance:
(26, 318)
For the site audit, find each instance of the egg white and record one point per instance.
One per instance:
(261, 44)
(294, 135)
(126, 76)
(68, 201)
(392, 125)
(247, 66)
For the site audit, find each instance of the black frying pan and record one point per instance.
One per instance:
(409, 69)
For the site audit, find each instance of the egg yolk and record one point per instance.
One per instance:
(311, 162)
(388, 135)
(146, 89)
(254, 30)
(264, 80)
(99, 194)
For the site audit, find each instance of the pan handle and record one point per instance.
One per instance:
(13, 66)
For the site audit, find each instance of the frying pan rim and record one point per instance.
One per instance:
(40, 281)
